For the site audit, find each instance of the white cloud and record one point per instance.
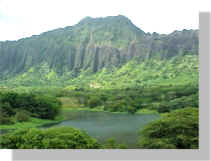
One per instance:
(21, 18)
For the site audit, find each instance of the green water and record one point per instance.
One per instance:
(124, 128)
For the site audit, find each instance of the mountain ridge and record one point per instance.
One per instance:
(92, 44)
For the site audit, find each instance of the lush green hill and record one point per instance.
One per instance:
(100, 52)
(176, 71)
(91, 43)
(179, 70)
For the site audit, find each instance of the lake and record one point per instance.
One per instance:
(122, 127)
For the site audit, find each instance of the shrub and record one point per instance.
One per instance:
(164, 107)
(131, 110)
(22, 116)
(175, 130)
(52, 138)
(94, 101)
(42, 106)
(6, 108)
(11, 98)
(116, 106)
(104, 97)
(178, 103)
(112, 144)
(46, 107)
(5, 119)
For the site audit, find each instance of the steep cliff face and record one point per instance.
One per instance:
(92, 44)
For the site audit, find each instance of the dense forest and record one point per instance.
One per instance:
(106, 70)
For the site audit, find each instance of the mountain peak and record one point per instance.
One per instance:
(85, 19)
(122, 17)
(118, 19)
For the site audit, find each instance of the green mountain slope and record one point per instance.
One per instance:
(109, 52)
(180, 70)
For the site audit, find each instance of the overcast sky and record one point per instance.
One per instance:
(23, 18)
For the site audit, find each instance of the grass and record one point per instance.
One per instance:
(146, 111)
(34, 122)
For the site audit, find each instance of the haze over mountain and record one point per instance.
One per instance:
(91, 45)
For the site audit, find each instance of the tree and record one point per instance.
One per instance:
(131, 110)
(94, 101)
(175, 130)
(41, 106)
(52, 138)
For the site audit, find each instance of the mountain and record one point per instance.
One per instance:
(93, 45)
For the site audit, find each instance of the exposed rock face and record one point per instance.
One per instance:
(92, 44)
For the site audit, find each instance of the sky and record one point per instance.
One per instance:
(24, 18)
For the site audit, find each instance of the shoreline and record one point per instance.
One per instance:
(36, 122)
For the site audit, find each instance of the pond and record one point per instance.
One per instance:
(122, 127)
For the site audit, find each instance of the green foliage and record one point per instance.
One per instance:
(46, 107)
(131, 110)
(178, 129)
(6, 108)
(31, 123)
(181, 102)
(5, 119)
(112, 144)
(42, 106)
(52, 138)
(157, 98)
(21, 116)
(115, 106)
(136, 73)
(94, 102)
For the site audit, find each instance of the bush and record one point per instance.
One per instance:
(113, 107)
(42, 106)
(178, 103)
(5, 119)
(6, 108)
(111, 144)
(175, 130)
(46, 107)
(22, 116)
(164, 107)
(94, 101)
(104, 97)
(131, 110)
(116, 106)
(52, 138)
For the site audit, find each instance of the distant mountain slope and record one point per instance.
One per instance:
(180, 70)
(91, 45)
